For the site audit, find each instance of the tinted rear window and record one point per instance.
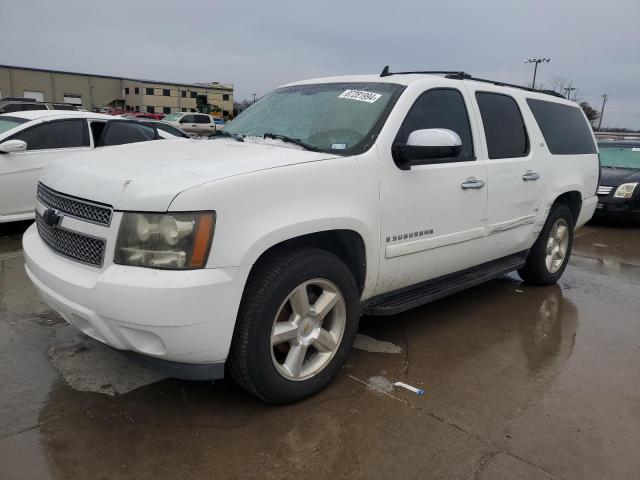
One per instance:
(564, 127)
(503, 125)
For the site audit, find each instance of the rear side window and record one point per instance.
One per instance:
(119, 133)
(440, 108)
(563, 127)
(56, 134)
(188, 119)
(503, 125)
(202, 119)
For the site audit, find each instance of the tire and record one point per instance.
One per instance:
(537, 270)
(276, 288)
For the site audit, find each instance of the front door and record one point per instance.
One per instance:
(46, 142)
(432, 216)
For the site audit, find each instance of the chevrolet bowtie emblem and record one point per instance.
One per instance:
(52, 217)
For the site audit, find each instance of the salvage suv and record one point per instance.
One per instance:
(255, 253)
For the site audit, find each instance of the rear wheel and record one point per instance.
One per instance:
(297, 321)
(550, 254)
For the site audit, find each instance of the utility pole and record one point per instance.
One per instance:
(254, 97)
(604, 102)
(536, 61)
(569, 90)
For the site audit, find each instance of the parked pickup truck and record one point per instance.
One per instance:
(257, 252)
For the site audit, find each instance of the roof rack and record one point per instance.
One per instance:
(460, 75)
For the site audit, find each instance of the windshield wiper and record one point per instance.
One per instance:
(235, 136)
(295, 141)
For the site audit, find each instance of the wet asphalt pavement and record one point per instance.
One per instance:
(520, 382)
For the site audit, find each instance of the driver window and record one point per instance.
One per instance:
(440, 108)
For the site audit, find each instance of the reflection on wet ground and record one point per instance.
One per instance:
(520, 382)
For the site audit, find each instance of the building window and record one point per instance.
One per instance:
(151, 109)
(150, 91)
(128, 108)
(137, 108)
(192, 109)
(166, 92)
(184, 109)
(225, 113)
(126, 90)
(225, 96)
(136, 90)
(194, 94)
(183, 93)
(166, 109)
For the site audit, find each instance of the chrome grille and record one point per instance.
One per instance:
(73, 245)
(83, 209)
(603, 190)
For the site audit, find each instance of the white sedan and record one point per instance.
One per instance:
(30, 140)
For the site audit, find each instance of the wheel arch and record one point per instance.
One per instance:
(573, 200)
(346, 244)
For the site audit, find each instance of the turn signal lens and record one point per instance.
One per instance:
(172, 241)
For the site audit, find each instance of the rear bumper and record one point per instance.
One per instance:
(172, 316)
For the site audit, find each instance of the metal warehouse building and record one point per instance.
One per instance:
(98, 91)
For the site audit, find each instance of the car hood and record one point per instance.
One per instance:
(612, 177)
(147, 176)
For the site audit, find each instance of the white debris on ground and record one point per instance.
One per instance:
(89, 366)
(381, 384)
(370, 344)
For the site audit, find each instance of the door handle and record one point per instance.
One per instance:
(472, 183)
(530, 176)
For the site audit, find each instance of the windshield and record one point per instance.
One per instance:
(332, 117)
(173, 117)
(620, 157)
(7, 123)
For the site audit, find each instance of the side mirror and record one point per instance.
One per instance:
(13, 146)
(427, 144)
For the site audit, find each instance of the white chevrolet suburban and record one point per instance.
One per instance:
(256, 252)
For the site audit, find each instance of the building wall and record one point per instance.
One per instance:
(98, 91)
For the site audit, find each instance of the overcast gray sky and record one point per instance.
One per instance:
(258, 45)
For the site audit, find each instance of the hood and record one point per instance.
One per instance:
(612, 176)
(147, 176)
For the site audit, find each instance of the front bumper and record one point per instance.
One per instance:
(172, 316)
(617, 209)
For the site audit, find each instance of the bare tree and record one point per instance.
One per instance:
(591, 113)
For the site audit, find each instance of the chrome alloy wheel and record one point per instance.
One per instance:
(557, 245)
(308, 329)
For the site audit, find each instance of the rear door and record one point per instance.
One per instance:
(46, 142)
(205, 124)
(515, 174)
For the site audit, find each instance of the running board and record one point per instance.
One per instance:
(410, 297)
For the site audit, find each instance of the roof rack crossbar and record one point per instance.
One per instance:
(460, 75)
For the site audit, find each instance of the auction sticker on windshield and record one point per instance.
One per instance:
(360, 95)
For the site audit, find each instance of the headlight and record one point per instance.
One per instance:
(173, 241)
(625, 190)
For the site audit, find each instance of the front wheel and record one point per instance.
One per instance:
(550, 254)
(297, 321)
